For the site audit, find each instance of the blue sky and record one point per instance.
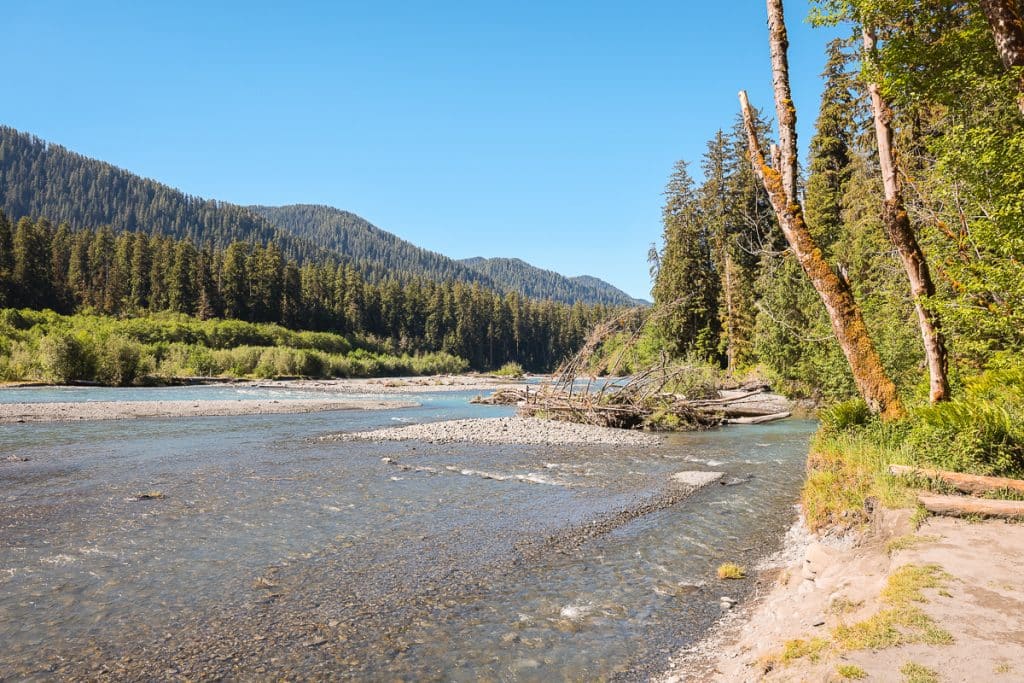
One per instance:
(539, 130)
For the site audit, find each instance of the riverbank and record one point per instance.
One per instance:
(883, 604)
(122, 410)
(504, 431)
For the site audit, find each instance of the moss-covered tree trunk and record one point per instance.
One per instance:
(780, 182)
(897, 226)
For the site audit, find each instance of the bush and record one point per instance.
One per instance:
(119, 362)
(512, 370)
(67, 358)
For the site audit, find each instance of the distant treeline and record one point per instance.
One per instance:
(133, 273)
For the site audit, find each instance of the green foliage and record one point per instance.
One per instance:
(50, 347)
(66, 357)
(843, 416)
(851, 672)
(512, 370)
(918, 673)
(981, 431)
(264, 296)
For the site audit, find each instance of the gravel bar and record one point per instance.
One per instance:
(504, 430)
(122, 410)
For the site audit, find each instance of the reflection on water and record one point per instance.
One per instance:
(275, 553)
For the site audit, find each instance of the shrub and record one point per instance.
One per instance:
(514, 370)
(119, 362)
(67, 357)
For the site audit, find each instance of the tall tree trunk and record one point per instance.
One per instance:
(780, 183)
(1008, 30)
(897, 225)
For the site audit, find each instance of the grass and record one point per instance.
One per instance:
(793, 650)
(901, 622)
(980, 431)
(844, 606)
(730, 570)
(917, 673)
(906, 542)
(851, 672)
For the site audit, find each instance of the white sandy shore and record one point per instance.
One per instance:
(120, 410)
(504, 430)
(826, 584)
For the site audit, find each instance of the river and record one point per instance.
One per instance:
(275, 554)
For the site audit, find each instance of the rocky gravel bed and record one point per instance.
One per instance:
(504, 430)
(121, 410)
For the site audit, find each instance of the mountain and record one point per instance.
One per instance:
(42, 179)
(38, 178)
(517, 275)
(377, 252)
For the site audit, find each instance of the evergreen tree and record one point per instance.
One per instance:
(686, 287)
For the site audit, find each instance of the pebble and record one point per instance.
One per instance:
(505, 430)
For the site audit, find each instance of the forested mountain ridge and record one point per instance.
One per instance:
(517, 275)
(41, 179)
(376, 252)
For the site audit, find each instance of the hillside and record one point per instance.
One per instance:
(42, 179)
(378, 253)
(38, 178)
(518, 275)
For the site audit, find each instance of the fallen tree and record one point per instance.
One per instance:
(968, 483)
(667, 396)
(968, 506)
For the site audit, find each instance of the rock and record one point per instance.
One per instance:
(696, 478)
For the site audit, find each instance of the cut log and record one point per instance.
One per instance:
(761, 419)
(968, 483)
(962, 506)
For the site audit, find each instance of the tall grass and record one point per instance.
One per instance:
(981, 431)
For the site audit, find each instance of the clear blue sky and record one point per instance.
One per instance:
(543, 130)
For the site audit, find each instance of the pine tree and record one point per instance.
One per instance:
(686, 287)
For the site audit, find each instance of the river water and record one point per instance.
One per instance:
(275, 554)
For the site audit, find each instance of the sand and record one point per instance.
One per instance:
(504, 430)
(120, 410)
(982, 606)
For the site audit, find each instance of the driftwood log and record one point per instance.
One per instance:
(963, 506)
(760, 419)
(968, 483)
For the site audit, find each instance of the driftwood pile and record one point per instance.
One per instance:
(647, 400)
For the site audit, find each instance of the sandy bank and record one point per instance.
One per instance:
(504, 430)
(120, 410)
(825, 586)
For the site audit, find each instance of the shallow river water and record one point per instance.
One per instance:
(275, 554)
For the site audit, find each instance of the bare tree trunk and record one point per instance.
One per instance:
(1008, 31)
(897, 226)
(780, 183)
